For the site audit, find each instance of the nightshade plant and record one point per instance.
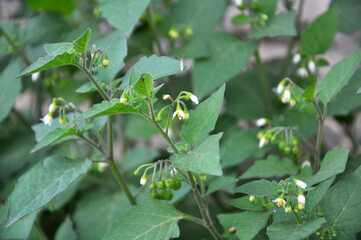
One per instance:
(89, 177)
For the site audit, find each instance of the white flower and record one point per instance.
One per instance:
(311, 66)
(306, 164)
(301, 201)
(35, 76)
(48, 119)
(262, 142)
(286, 96)
(238, 2)
(123, 100)
(166, 97)
(52, 107)
(179, 113)
(194, 98)
(280, 87)
(302, 72)
(181, 65)
(296, 58)
(300, 184)
(252, 198)
(279, 201)
(261, 122)
(143, 180)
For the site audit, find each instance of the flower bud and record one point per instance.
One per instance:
(194, 98)
(232, 230)
(143, 180)
(301, 201)
(105, 62)
(262, 142)
(300, 184)
(302, 72)
(296, 58)
(35, 76)
(166, 96)
(261, 122)
(251, 198)
(311, 66)
(188, 31)
(123, 100)
(173, 33)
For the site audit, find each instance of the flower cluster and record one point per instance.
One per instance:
(284, 89)
(304, 72)
(62, 105)
(181, 110)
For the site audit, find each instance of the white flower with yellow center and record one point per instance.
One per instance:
(194, 98)
(48, 119)
(300, 184)
(279, 202)
(179, 113)
(123, 100)
(301, 201)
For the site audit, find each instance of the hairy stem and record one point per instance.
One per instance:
(265, 84)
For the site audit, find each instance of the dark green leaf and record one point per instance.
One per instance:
(204, 158)
(338, 77)
(220, 183)
(260, 188)
(310, 92)
(316, 195)
(281, 25)
(348, 13)
(228, 57)
(63, 6)
(153, 219)
(227, 221)
(203, 119)
(241, 19)
(244, 203)
(53, 137)
(273, 166)
(317, 39)
(293, 231)
(66, 231)
(249, 224)
(41, 183)
(54, 49)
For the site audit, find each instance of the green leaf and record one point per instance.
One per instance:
(53, 137)
(347, 99)
(95, 206)
(144, 85)
(137, 156)
(333, 163)
(273, 166)
(80, 45)
(293, 231)
(348, 13)
(239, 146)
(137, 127)
(63, 6)
(317, 39)
(202, 16)
(20, 229)
(123, 14)
(54, 49)
(310, 92)
(108, 108)
(203, 119)
(66, 231)
(260, 188)
(196, 47)
(227, 221)
(305, 122)
(244, 203)
(249, 224)
(10, 87)
(115, 45)
(341, 206)
(86, 88)
(228, 57)
(204, 158)
(153, 219)
(281, 25)
(41, 183)
(220, 183)
(338, 77)
(316, 195)
(241, 19)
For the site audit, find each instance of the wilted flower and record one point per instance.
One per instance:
(123, 100)
(252, 198)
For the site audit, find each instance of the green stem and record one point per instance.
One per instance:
(193, 219)
(297, 217)
(118, 176)
(265, 84)
(153, 27)
(40, 231)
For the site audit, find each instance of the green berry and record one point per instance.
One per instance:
(242, 7)
(287, 150)
(295, 150)
(296, 143)
(177, 184)
(282, 145)
(153, 185)
(256, 6)
(153, 194)
(168, 195)
(160, 184)
(170, 183)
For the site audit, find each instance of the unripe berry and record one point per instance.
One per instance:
(287, 150)
(160, 184)
(177, 184)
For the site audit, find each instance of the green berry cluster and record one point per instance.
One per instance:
(292, 146)
(162, 189)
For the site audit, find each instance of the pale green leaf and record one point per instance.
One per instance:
(260, 188)
(281, 25)
(348, 13)
(203, 119)
(43, 182)
(220, 183)
(9, 88)
(54, 49)
(228, 57)
(19, 230)
(316, 195)
(136, 126)
(341, 206)
(204, 158)
(153, 219)
(241, 19)
(239, 146)
(333, 163)
(338, 77)
(244, 203)
(144, 85)
(317, 39)
(227, 221)
(80, 45)
(273, 166)
(86, 88)
(96, 212)
(54, 136)
(249, 224)
(123, 14)
(108, 108)
(66, 231)
(293, 231)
